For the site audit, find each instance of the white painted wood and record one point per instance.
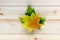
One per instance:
(9, 10)
(11, 29)
(33, 2)
(15, 12)
(13, 2)
(29, 37)
(45, 2)
(13, 26)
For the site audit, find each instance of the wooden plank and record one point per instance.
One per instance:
(13, 26)
(14, 12)
(13, 2)
(32, 2)
(9, 10)
(45, 2)
(29, 37)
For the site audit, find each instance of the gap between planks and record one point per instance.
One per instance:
(26, 33)
(17, 20)
(32, 5)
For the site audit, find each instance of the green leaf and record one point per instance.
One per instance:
(33, 11)
(29, 10)
(42, 20)
(21, 19)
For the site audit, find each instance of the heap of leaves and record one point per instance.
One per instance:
(31, 20)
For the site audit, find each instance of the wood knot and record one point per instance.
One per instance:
(35, 38)
(1, 14)
(54, 12)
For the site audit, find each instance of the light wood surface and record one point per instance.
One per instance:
(11, 29)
